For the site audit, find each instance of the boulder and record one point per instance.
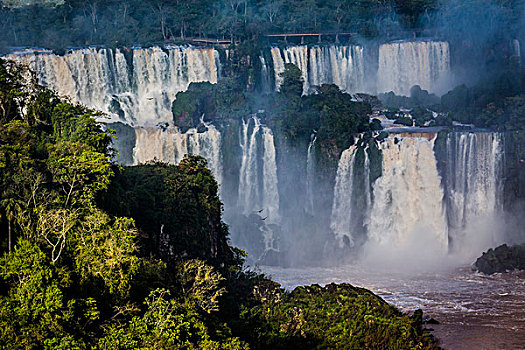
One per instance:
(501, 259)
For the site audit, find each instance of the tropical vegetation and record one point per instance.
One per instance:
(99, 256)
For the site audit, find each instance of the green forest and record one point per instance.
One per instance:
(58, 24)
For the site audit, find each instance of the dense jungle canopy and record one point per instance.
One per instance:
(59, 24)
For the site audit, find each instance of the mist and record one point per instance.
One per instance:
(480, 33)
(278, 186)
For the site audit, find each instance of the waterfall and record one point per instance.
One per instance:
(278, 65)
(366, 182)
(84, 75)
(515, 48)
(266, 81)
(411, 206)
(248, 181)
(401, 65)
(335, 64)
(258, 184)
(405, 64)
(138, 91)
(343, 196)
(170, 145)
(408, 196)
(270, 190)
(298, 55)
(473, 178)
(310, 176)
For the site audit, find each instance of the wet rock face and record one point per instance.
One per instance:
(502, 259)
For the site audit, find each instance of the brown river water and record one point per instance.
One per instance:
(475, 311)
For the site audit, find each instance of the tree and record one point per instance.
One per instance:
(75, 123)
(189, 106)
(15, 166)
(341, 11)
(79, 172)
(292, 81)
(12, 95)
(165, 325)
(229, 98)
(183, 218)
(340, 116)
(35, 311)
(515, 113)
(230, 21)
(106, 251)
(12, 207)
(53, 227)
(70, 274)
(272, 9)
(199, 285)
(162, 11)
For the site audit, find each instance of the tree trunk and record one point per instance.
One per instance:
(245, 11)
(9, 235)
(125, 13)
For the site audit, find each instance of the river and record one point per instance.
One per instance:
(475, 311)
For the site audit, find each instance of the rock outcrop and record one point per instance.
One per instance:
(502, 259)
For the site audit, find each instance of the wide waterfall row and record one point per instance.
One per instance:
(340, 65)
(258, 191)
(412, 187)
(397, 66)
(405, 64)
(170, 145)
(136, 86)
(413, 198)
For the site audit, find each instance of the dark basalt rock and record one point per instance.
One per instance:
(501, 259)
(429, 320)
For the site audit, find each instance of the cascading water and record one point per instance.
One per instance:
(258, 194)
(139, 85)
(270, 189)
(405, 64)
(258, 191)
(170, 145)
(248, 180)
(516, 51)
(138, 93)
(310, 176)
(340, 65)
(411, 204)
(266, 81)
(366, 182)
(342, 208)
(473, 179)
(352, 198)
(408, 197)
(278, 66)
